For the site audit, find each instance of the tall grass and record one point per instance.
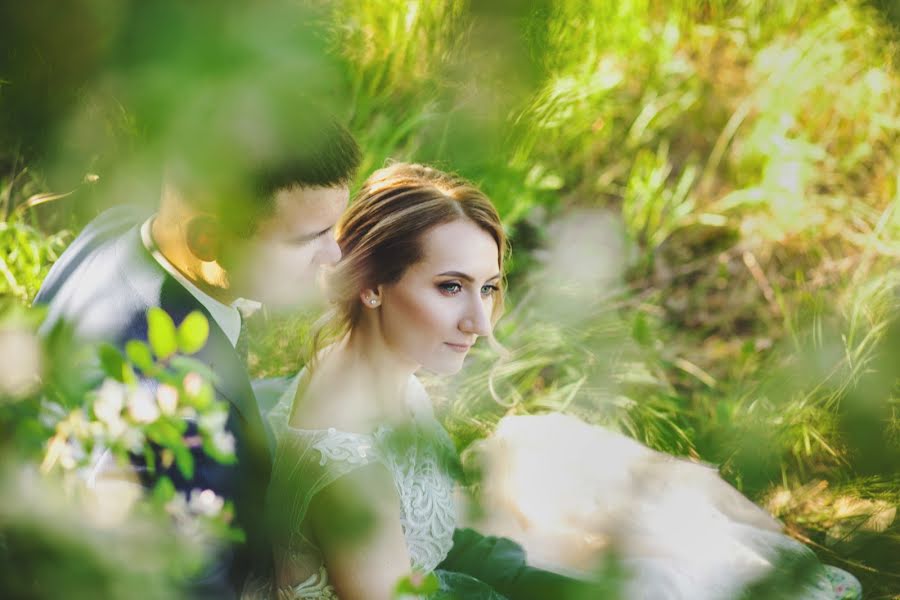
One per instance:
(735, 301)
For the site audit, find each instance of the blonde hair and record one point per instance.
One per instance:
(380, 235)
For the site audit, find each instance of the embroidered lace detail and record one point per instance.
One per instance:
(427, 511)
(316, 587)
(425, 488)
(354, 448)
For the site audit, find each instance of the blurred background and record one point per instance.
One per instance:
(703, 198)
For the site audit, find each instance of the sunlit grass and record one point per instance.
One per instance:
(747, 154)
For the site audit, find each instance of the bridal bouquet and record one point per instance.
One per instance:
(74, 421)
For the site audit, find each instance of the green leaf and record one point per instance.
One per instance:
(128, 375)
(202, 398)
(192, 333)
(187, 365)
(180, 425)
(161, 333)
(139, 354)
(150, 459)
(209, 448)
(417, 584)
(164, 490)
(235, 535)
(640, 330)
(184, 461)
(112, 362)
(165, 433)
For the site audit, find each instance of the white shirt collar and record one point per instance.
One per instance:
(228, 318)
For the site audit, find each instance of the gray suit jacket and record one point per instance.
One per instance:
(103, 285)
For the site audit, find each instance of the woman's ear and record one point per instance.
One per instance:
(204, 237)
(371, 298)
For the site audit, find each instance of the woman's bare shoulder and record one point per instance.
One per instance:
(326, 401)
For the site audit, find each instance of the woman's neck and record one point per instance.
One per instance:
(358, 384)
(375, 370)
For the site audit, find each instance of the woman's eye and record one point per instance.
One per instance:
(450, 287)
(488, 290)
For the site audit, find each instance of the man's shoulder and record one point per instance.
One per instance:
(93, 242)
(104, 230)
(115, 221)
(101, 281)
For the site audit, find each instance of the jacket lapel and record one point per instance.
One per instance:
(232, 381)
(157, 288)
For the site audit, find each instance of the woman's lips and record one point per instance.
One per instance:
(461, 348)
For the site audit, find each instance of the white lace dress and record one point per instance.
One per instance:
(570, 492)
(306, 461)
(553, 484)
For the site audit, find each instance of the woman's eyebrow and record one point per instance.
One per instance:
(463, 276)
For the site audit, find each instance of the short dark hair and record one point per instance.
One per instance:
(328, 161)
(231, 161)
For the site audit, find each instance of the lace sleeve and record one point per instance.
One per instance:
(307, 461)
(280, 414)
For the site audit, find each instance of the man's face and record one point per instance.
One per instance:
(280, 265)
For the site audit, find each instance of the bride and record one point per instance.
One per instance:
(363, 482)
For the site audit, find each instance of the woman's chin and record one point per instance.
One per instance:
(445, 367)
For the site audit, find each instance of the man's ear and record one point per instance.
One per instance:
(204, 237)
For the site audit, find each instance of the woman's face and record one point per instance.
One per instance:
(432, 316)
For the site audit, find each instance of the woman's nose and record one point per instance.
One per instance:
(476, 320)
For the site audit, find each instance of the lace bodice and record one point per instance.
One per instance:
(682, 530)
(308, 460)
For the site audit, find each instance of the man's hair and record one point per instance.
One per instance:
(328, 161)
(231, 160)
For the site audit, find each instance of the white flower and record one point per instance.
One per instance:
(71, 454)
(75, 425)
(224, 442)
(109, 400)
(205, 503)
(184, 510)
(62, 451)
(51, 413)
(213, 422)
(167, 397)
(116, 428)
(133, 439)
(21, 364)
(178, 507)
(142, 405)
(193, 383)
(96, 429)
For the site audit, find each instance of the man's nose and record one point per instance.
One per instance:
(330, 253)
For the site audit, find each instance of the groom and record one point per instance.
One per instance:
(257, 235)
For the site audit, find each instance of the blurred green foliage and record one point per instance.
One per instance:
(26, 254)
(733, 297)
(70, 527)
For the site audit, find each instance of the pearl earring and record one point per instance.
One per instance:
(373, 301)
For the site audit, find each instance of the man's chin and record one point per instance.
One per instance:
(283, 303)
(280, 297)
